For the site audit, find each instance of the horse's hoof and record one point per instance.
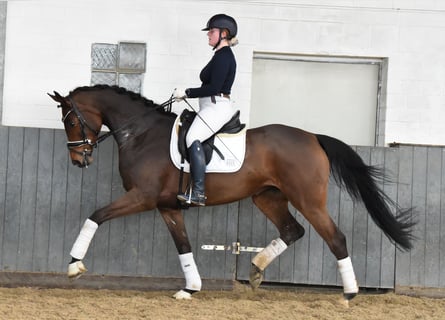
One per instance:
(255, 276)
(349, 296)
(76, 269)
(182, 295)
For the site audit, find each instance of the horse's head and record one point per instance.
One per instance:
(82, 131)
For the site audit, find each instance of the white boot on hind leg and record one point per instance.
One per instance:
(350, 287)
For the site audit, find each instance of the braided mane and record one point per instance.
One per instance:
(120, 90)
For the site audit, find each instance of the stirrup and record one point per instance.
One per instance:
(192, 198)
(184, 197)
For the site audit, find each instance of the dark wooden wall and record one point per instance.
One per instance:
(44, 200)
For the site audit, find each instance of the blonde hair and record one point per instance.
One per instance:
(233, 41)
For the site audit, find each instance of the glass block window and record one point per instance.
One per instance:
(121, 64)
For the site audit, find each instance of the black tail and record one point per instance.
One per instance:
(349, 170)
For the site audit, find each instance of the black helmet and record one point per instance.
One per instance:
(222, 21)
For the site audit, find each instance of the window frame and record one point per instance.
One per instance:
(118, 69)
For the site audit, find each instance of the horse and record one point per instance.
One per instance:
(282, 165)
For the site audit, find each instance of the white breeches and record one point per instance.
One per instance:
(215, 115)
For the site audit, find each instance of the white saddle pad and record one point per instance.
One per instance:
(232, 146)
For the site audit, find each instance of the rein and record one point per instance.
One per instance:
(166, 106)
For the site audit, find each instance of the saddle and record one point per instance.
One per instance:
(234, 125)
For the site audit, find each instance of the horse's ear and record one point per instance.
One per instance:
(57, 97)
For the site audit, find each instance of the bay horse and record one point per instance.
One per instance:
(282, 164)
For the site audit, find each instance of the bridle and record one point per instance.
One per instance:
(84, 126)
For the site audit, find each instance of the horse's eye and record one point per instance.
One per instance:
(71, 122)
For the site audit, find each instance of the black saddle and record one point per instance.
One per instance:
(234, 125)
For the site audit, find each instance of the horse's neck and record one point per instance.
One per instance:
(134, 122)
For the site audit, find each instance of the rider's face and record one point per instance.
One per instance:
(213, 35)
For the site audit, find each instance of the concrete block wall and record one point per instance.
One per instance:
(48, 48)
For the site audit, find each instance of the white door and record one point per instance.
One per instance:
(337, 97)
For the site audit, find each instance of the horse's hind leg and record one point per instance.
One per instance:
(274, 204)
(318, 217)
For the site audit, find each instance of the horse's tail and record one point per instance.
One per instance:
(349, 170)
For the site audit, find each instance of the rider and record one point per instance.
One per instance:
(215, 107)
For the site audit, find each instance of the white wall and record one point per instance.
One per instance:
(48, 48)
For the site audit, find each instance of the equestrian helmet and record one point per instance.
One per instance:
(222, 21)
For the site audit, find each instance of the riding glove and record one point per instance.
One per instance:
(179, 94)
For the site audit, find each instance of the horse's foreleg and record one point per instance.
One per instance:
(76, 267)
(127, 204)
(175, 224)
(274, 204)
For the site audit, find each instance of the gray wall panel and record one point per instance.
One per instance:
(432, 218)
(441, 236)
(12, 198)
(404, 198)
(3, 173)
(28, 199)
(56, 254)
(43, 201)
(145, 243)
(419, 184)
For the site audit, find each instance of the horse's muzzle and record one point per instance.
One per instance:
(81, 159)
(81, 163)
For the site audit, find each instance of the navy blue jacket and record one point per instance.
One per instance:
(217, 76)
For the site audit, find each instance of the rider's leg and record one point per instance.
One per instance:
(211, 117)
(197, 170)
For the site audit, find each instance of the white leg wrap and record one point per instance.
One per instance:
(83, 240)
(347, 275)
(268, 254)
(191, 274)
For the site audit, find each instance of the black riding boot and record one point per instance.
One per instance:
(197, 170)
